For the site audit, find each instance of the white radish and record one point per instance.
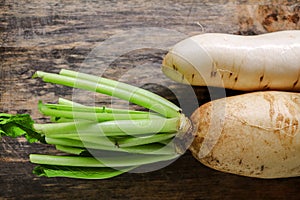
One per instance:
(261, 62)
(259, 134)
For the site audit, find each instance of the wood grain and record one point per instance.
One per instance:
(53, 35)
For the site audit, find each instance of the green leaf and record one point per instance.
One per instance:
(18, 125)
(78, 172)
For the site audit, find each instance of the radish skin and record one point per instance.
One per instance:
(269, 61)
(259, 137)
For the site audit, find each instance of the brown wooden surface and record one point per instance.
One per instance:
(51, 35)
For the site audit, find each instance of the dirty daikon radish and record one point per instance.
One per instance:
(258, 134)
(261, 62)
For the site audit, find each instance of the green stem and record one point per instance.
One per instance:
(91, 109)
(70, 150)
(112, 128)
(155, 148)
(123, 86)
(132, 94)
(114, 161)
(60, 119)
(98, 115)
(134, 141)
(116, 141)
(62, 101)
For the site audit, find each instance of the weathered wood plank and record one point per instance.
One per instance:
(51, 35)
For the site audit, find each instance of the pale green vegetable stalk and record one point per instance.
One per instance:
(123, 91)
(100, 142)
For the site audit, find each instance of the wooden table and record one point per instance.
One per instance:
(54, 35)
